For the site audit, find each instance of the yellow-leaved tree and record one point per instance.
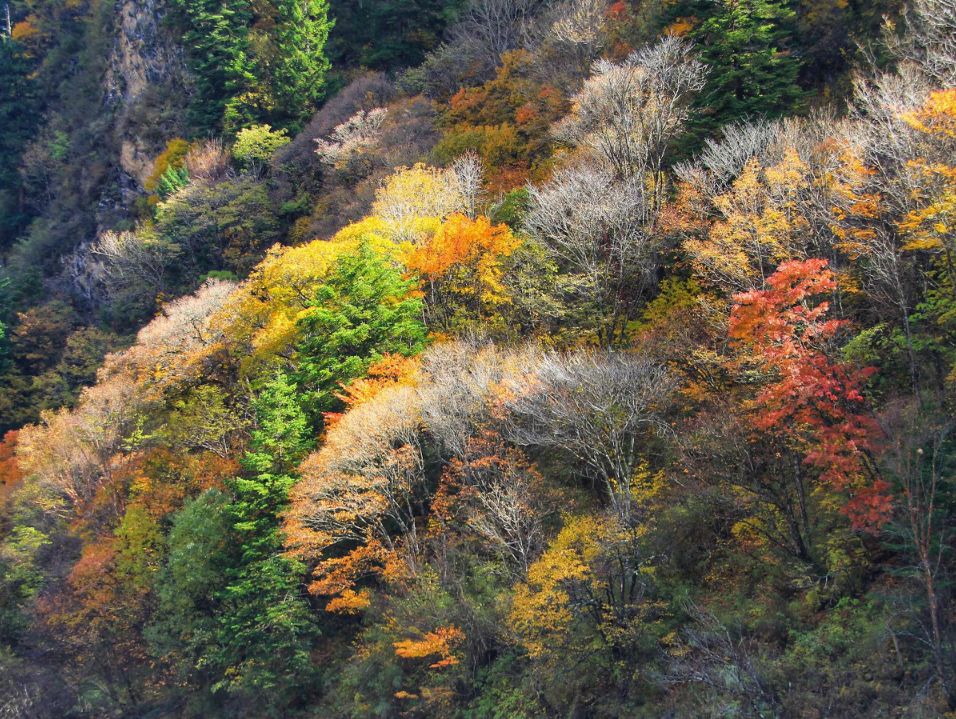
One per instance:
(759, 224)
(932, 226)
(414, 200)
(588, 604)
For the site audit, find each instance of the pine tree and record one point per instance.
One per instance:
(265, 625)
(364, 311)
(752, 72)
(255, 63)
(215, 37)
(298, 82)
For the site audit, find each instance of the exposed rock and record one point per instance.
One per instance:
(134, 160)
(144, 58)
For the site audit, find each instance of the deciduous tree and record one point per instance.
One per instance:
(628, 114)
(603, 409)
(461, 265)
(600, 231)
(811, 400)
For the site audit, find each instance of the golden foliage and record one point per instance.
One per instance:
(25, 31)
(760, 225)
(414, 200)
(931, 226)
(260, 316)
(937, 116)
(439, 644)
(542, 611)
(857, 208)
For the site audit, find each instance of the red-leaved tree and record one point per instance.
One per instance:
(811, 399)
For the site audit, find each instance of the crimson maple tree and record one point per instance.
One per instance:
(812, 400)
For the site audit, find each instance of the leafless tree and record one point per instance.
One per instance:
(186, 323)
(21, 701)
(881, 138)
(208, 162)
(489, 28)
(508, 517)
(568, 38)
(599, 228)
(460, 384)
(369, 479)
(886, 145)
(133, 258)
(597, 218)
(627, 114)
(714, 657)
(366, 481)
(724, 158)
(509, 502)
(916, 456)
(32, 691)
(359, 132)
(469, 173)
(604, 408)
(579, 22)
(929, 41)
(71, 451)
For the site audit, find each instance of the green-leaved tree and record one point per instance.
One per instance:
(752, 70)
(365, 309)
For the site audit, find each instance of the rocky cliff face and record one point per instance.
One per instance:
(144, 90)
(145, 82)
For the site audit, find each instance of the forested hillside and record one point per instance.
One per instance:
(477, 359)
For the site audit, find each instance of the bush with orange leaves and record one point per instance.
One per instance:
(505, 121)
(439, 645)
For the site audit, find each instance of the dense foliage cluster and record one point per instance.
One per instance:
(575, 358)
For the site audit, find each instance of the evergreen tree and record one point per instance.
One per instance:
(752, 71)
(232, 614)
(18, 108)
(302, 28)
(383, 34)
(184, 627)
(363, 311)
(255, 62)
(265, 625)
(215, 37)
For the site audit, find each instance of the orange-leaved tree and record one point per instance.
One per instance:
(354, 512)
(462, 266)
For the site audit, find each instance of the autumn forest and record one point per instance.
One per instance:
(477, 359)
